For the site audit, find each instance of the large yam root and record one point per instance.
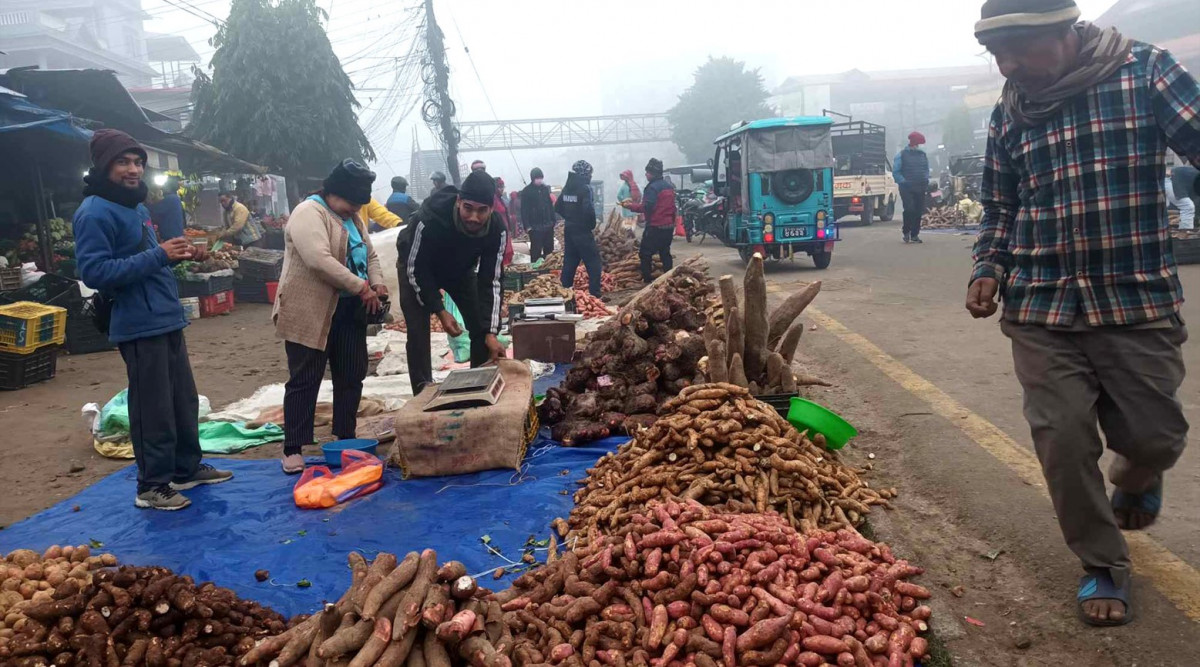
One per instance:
(756, 321)
(789, 310)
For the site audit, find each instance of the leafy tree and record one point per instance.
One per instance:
(957, 133)
(722, 93)
(277, 94)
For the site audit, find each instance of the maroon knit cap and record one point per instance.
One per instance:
(108, 145)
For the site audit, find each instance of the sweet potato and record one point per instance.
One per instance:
(763, 633)
(409, 612)
(397, 579)
(825, 645)
(375, 645)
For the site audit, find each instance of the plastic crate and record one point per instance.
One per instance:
(82, 335)
(18, 371)
(10, 279)
(209, 286)
(781, 403)
(25, 326)
(216, 304)
(260, 264)
(49, 290)
(251, 291)
(1186, 251)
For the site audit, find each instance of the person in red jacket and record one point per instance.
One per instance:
(658, 203)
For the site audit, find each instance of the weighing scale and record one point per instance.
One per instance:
(468, 388)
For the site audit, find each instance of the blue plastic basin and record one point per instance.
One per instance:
(333, 450)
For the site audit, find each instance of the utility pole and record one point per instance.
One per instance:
(441, 76)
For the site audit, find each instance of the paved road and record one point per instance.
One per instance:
(934, 393)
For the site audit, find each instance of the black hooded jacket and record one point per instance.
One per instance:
(575, 205)
(537, 209)
(432, 253)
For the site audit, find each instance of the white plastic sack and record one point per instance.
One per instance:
(385, 247)
(30, 274)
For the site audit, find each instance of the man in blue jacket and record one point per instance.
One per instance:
(911, 171)
(167, 213)
(119, 254)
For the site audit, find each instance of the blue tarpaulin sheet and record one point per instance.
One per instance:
(251, 523)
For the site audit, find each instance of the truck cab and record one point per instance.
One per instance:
(776, 178)
(863, 184)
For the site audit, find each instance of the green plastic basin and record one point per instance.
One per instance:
(815, 418)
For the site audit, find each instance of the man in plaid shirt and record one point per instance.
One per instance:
(1074, 238)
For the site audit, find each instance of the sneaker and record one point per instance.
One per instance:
(205, 474)
(917, 239)
(906, 239)
(293, 464)
(161, 497)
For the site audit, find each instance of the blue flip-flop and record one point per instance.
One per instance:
(1149, 502)
(1102, 587)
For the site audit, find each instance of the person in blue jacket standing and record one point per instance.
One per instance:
(167, 212)
(120, 255)
(911, 170)
(400, 203)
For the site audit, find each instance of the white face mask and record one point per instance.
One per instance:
(537, 181)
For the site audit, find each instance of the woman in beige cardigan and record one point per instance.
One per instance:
(331, 279)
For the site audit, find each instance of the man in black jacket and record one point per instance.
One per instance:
(579, 213)
(537, 212)
(454, 230)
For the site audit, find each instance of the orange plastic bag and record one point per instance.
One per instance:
(318, 488)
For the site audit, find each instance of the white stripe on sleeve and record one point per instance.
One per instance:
(412, 262)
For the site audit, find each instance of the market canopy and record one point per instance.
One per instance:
(18, 114)
(98, 96)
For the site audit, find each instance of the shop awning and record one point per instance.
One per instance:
(98, 96)
(18, 114)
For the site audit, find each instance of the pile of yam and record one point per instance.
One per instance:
(136, 616)
(751, 347)
(27, 578)
(683, 584)
(410, 612)
(716, 444)
(646, 354)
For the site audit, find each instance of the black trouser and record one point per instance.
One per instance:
(541, 243)
(913, 199)
(580, 246)
(465, 293)
(346, 354)
(656, 240)
(164, 410)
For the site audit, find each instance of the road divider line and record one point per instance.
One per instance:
(1175, 578)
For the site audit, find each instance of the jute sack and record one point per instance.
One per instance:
(459, 441)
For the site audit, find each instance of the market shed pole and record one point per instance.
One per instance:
(445, 105)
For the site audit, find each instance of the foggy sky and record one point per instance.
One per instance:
(576, 58)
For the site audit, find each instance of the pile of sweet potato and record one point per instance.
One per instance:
(410, 612)
(716, 444)
(646, 354)
(682, 584)
(136, 616)
(750, 347)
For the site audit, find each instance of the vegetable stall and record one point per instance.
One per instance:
(712, 533)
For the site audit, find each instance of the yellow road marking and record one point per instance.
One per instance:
(1176, 579)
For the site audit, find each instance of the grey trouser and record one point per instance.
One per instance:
(1126, 380)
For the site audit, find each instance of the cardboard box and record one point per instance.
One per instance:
(545, 340)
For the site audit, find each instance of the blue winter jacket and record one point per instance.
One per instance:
(167, 215)
(911, 168)
(137, 276)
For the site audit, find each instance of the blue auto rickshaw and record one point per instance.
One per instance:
(776, 180)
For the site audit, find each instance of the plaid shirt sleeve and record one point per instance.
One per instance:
(1175, 97)
(1000, 201)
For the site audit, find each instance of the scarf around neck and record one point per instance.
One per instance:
(462, 228)
(97, 183)
(1101, 52)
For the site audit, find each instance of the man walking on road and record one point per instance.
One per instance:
(537, 210)
(1075, 230)
(911, 170)
(1180, 194)
(120, 256)
(578, 212)
(658, 203)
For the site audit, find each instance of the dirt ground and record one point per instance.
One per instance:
(988, 540)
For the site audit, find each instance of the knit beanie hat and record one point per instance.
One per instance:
(399, 183)
(437, 177)
(583, 169)
(535, 174)
(108, 145)
(1000, 17)
(654, 166)
(916, 139)
(351, 181)
(479, 188)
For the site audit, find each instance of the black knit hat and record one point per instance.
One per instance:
(1003, 17)
(479, 188)
(399, 183)
(351, 181)
(535, 174)
(654, 166)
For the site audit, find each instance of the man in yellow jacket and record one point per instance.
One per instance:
(378, 213)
